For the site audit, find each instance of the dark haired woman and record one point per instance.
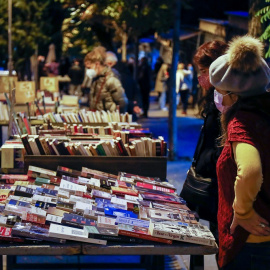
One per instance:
(207, 145)
(241, 78)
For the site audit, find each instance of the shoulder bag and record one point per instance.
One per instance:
(200, 192)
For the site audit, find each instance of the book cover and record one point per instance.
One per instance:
(154, 187)
(28, 230)
(140, 232)
(74, 234)
(124, 191)
(77, 220)
(196, 234)
(161, 198)
(67, 171)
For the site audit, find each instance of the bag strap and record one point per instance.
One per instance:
(198, 147)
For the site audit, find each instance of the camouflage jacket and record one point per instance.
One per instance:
(107, 92)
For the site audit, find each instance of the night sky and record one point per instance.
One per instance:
(211, 9)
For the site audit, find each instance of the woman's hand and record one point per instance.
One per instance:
(255, 225)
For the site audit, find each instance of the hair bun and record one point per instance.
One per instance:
(245, 54)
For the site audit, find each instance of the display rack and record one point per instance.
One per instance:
(146, 166)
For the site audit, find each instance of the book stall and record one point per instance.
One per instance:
(105, 213)
(91, 183)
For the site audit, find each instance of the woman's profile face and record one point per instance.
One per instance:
(203, 78)
(203, 70)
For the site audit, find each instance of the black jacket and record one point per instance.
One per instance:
(209, 150)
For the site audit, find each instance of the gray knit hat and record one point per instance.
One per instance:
(242, 70)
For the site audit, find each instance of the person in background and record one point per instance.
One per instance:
(241, 78)
(183, 85)
(208, 140)
(144, 77)
(64, 67)
(42, 72)
(76, 76)
(161, 85)
(131, 64)
(122, 72)
(52, 68)
(157, 67)
(41, 66)
(106, 91)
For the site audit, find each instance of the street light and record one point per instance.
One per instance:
(10, 64)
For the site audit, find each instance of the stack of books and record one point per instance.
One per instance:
(94, 207)
(95, 146)
(71, 124)
(84, 116)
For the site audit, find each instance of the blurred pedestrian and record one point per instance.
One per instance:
(183, 85)
(144, 78)
(41, 66)
(76, 78)
(64, 66)
(52, 68)
(161, 85)
(241, 78)
(132, 91)
(157, 67)
(131, 64)
(106, 90)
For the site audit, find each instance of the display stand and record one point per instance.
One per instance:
(146, 166)
(153, 255)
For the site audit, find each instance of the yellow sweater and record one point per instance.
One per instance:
(248, 183)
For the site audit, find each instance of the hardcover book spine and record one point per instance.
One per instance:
(26, 144)
(39, 146)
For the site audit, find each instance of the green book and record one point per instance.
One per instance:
(40, 181)
(100, 150)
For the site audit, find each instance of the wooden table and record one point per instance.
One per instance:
(153, 254)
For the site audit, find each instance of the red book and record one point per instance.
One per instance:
(27, 125)
(35, 218)
(154, 187)
(55, 180)
(19, 177)
(144, 236)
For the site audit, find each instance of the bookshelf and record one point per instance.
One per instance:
(146, 166)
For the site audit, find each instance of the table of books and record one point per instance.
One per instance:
(90, 212)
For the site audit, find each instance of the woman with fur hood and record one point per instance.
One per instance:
(241, 78)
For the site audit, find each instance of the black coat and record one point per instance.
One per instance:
(130, 86)
(209, 151)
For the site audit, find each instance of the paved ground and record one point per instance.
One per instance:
(188, 132)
